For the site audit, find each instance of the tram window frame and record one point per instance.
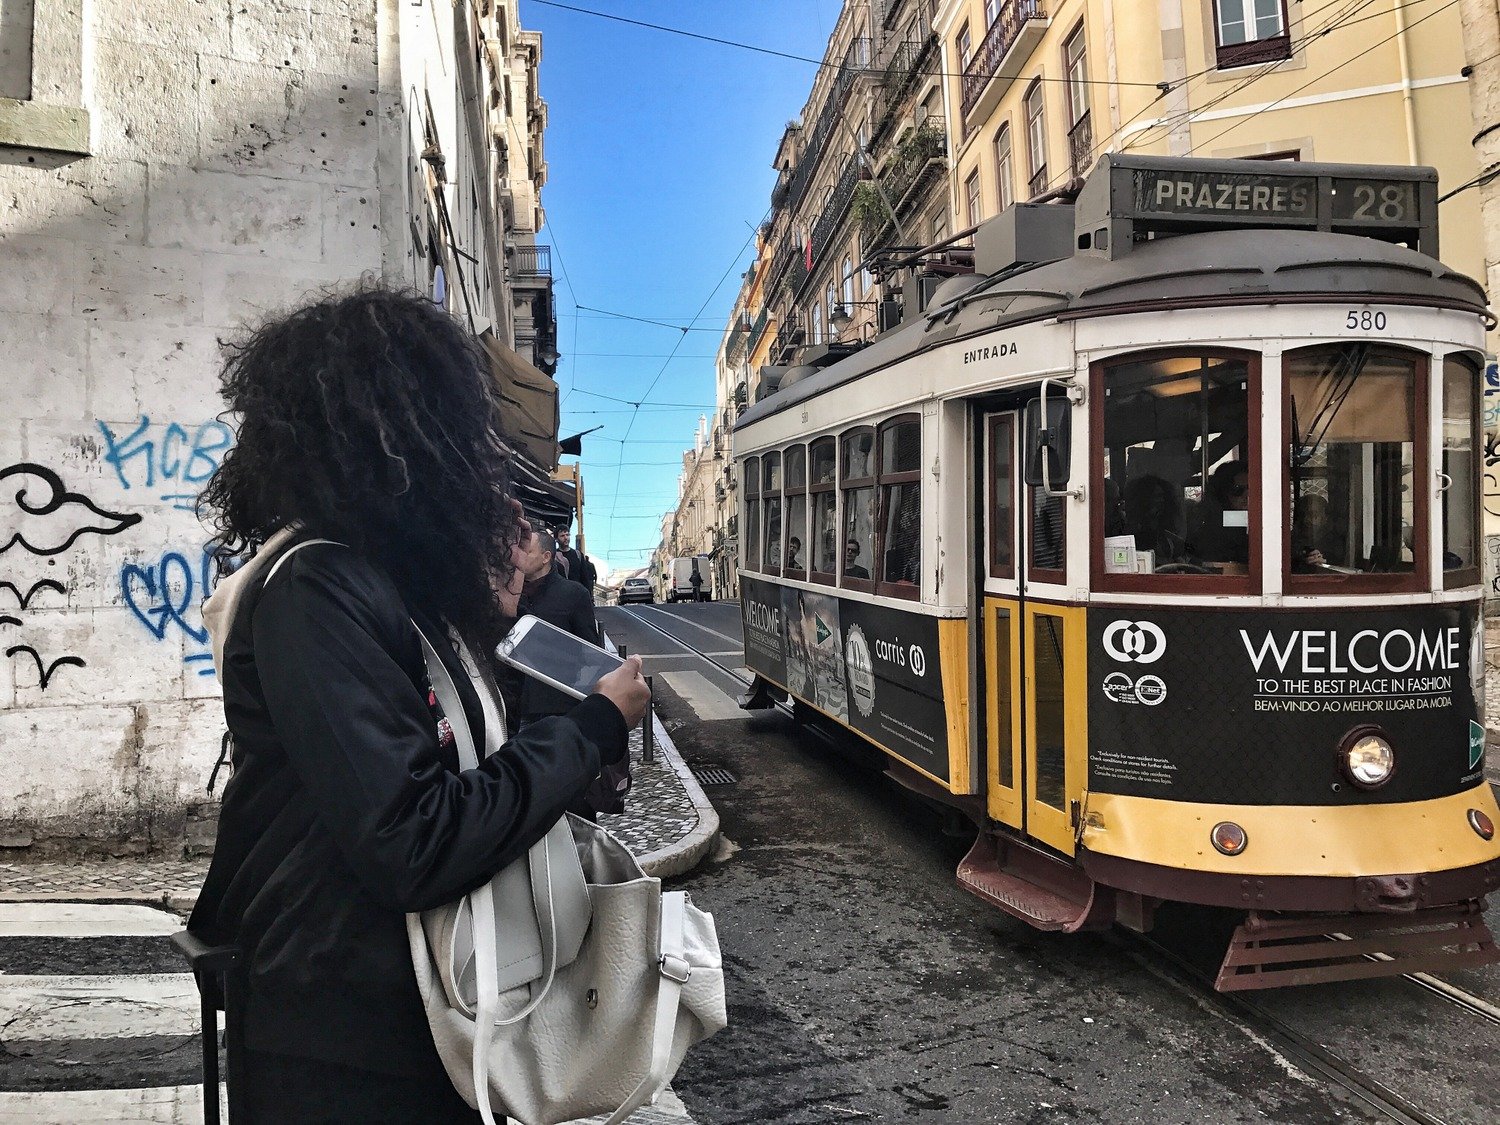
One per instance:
(848, 484)
(770, 467)
(1000, 511)
(1418, 579)
(816, 489)
(790, 490)
(1466, 575)
(750, 487)
(885, 486)
(1250, 583)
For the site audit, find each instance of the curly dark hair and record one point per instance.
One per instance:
(370, 418)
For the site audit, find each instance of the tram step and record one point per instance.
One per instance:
(1042, 891)
(1277, 950)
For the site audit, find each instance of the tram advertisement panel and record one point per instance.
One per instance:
(873, 668)
(1251, 708)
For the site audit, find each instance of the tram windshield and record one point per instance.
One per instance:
(1177, 489)
(1352, 458)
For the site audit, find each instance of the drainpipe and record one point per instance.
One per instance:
(1407, 106)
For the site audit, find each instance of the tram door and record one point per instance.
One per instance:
(1032, 736)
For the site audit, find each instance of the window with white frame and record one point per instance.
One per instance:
(1036, 138)
(965, 45)
(1250, 31)
(1005, 174)
(846, 280)
(1077, 86)
(971, 198)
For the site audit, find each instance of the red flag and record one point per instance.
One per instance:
(807, 250)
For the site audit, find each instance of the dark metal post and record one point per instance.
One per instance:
(623, 650)
(648, 726)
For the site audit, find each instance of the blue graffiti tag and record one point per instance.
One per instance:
(173, 460)
(161, 594)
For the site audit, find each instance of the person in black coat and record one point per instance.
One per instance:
(369, 420)
(547, 595)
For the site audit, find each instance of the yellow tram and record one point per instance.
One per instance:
(1152, 546)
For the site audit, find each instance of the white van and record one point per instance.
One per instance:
(679, 579)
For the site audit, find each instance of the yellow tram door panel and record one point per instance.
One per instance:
(1056, 722)
(1002, 692)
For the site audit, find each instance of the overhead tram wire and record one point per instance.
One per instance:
(630, 426)
(742, 46)
(1335, 23)
(1318, 78)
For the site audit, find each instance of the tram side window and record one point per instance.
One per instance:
(1460, 468)
(1352, 409)
(1177, 490)
(750, 481)
(858, 481)
(901, 504)
(796, 511)
(825, 524)
(771, 498)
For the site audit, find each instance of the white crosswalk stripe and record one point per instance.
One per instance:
(43, 1008)
(42, 1013)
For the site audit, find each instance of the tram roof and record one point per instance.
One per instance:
(1218, 268)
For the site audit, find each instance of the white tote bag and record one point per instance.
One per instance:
(582, 1002)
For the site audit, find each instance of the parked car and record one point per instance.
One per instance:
(636, 590)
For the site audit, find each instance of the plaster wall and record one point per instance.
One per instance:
(241, 156)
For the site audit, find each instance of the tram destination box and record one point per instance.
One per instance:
(1131, 199)
(1252, 707)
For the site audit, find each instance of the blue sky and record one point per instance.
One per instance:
(659, 152)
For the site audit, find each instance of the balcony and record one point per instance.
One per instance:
(531, 262)
(920, 156)
(834, 211)
(856, 63)
(787, 339)
(1006, 46)
(741, 393)
(734, 527)
(735, 349)
(759, 329)
(789, 267)
(1038, 183)
(898, 77)
(1081, 146)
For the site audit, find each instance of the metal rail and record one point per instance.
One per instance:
(1304, 1052)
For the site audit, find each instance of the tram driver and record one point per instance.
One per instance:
(1224, 531)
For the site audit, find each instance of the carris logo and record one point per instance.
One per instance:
(918, 661)
(1138, 642)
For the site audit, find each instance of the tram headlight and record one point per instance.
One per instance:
(1368, 758)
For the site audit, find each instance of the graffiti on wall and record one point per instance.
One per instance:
(163, 595)
(40, 516)
(169, 458)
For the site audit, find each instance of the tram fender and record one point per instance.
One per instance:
(762, 696)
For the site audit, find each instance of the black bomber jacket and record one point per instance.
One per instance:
(345, 812)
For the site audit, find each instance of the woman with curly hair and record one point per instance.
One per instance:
(370, 422)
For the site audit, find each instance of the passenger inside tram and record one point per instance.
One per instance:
(1223, 534)
(1153, 515)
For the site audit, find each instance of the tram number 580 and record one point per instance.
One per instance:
(1363, 320)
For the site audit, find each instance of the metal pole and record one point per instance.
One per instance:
(648, 726)
(622, 650)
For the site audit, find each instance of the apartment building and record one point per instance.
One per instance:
(168, 173)
(1038, 89)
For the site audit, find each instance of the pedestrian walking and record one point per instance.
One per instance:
(369, 436)
(549, 596)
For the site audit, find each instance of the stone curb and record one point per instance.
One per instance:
(685, 854)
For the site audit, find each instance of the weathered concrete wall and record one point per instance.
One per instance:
(233, 168)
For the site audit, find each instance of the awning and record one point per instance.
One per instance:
(543, 499)
(530, 415)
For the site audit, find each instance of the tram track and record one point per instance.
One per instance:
(1299, 1049)
(1302, 1051)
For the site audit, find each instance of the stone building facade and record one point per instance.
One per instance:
(168, 173)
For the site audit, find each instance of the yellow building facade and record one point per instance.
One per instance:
(1036, 90)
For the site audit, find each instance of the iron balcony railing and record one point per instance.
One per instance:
(741, 393)
(926, 150)
(1081, 145)
(789, 267)
(787, 338)
(834, 211)
(532, 261)
(758, 329)
(856, 62)
(996, 44)
(1038, 182)
(736, 346)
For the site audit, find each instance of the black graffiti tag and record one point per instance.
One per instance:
(44, 517)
